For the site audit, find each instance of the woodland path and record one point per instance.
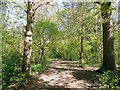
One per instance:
(62, 75)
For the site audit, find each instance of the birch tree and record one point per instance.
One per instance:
(31, 9)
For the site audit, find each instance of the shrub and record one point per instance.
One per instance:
(109, 79)
(37, 68)
(11, 68)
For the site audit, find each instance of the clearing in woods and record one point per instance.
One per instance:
(63, 74)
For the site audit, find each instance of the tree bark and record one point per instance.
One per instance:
(42, 54)
(42, 58)
(108, 42)
(28, 34)
(119, 33)
(81, 50)
(28, 38)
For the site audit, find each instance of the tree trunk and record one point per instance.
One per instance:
(108, 42)
(42, 58)
(28, 38)
(42, 53)
(119, 33)
(81, 50)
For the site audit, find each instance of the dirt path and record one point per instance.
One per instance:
(63, 74)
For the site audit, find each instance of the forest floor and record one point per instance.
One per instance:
(61, 75)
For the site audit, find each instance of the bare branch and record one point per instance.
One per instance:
(97, 2)
(41, 5)
(19, 6)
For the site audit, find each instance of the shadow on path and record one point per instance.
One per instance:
(63, 75)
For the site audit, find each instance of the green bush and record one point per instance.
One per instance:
(109, 79)
(11, 68)
(37, 68)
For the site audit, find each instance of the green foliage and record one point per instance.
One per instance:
(11, 68)
(109, 79)
(44, 35)
(46, 29)
(11, 58)
(37, 68)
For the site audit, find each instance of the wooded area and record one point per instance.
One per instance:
(49, 44)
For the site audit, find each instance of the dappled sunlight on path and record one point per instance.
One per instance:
(63, 74)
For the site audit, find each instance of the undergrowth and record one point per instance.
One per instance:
(109, 79)
(38, 68)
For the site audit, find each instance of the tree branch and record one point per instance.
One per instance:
(25, 3)
(35, 3)
(97, 2)
(19, 6)
(41, 5)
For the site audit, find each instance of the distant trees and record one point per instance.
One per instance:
(80, 27)
(45, 33)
